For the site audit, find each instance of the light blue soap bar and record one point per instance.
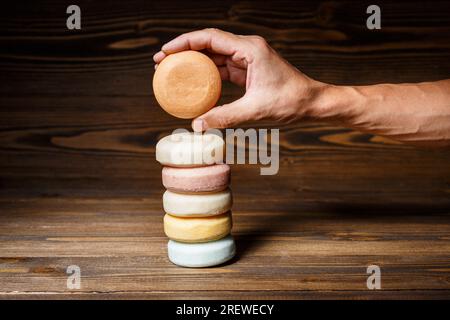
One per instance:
(199, 255)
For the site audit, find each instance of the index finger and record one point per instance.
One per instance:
(215, 40)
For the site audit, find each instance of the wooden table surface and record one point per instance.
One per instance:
(79, 184)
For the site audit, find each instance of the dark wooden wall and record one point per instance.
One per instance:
(79, 182)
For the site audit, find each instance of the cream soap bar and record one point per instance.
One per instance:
(197, 205)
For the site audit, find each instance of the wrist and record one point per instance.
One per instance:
(334, 103)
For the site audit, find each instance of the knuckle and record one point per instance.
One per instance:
(259, 44)
(212, 30)
(224, 118)
(222, 122)
(259, 41)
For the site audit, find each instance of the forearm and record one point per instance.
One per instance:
(413, 113)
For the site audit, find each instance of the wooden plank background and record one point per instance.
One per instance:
(79, 183)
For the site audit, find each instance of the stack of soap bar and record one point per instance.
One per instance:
(197, 201)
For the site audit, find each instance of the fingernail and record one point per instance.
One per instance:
(197, 125)
(158, 56)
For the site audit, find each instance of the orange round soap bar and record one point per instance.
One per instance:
(187, 84)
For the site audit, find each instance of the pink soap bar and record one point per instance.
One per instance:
(197, 179)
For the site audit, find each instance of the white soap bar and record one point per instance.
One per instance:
(197, 205)
(188, 149)
(199, 255)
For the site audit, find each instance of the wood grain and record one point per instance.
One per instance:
(79, 183)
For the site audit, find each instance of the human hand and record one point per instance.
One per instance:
(275, 90)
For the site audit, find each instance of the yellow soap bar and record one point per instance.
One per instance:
(199, 229)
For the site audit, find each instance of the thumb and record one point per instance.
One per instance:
(227, 115)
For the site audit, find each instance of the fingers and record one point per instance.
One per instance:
(215, 40)
(225, 116)
(219, 59)
(159, 56)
